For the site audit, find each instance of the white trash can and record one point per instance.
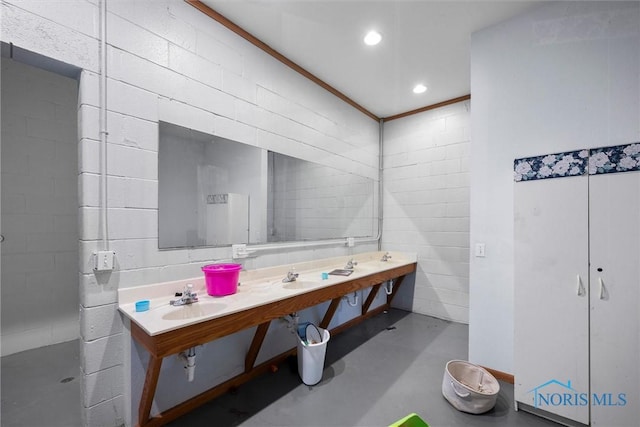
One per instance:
(469, 388)
(311, 358)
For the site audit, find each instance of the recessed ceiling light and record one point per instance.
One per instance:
(419, 88)
(372, 38)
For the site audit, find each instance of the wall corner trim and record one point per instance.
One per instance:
(428, 107)
(277, 55)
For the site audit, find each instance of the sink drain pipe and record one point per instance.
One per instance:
(292, 320)
(388, 287)
(189, 359)
(355, 299)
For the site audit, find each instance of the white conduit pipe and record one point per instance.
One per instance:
(378, 237)
(103, 124)
(286, 245)
(380, 171)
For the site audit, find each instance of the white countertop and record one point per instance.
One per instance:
(257, 287)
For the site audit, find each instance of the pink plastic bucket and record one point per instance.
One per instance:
(222, 279)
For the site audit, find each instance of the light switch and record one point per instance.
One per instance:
(480, 250)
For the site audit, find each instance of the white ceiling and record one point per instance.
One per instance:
(423, 41)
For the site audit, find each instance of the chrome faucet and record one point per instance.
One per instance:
(291, 276)
(385, 257)
(350, 264)
(187, 297)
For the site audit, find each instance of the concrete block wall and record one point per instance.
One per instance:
(169, 62)
(39, 208)
(426, 207)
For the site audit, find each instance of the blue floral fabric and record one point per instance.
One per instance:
(571, 163)
(620, 158)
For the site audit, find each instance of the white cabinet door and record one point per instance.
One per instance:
(614, 210)
(551, 352)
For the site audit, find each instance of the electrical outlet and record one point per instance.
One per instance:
(351, 242)
(239, 251)
(480, 250)
(105, 260)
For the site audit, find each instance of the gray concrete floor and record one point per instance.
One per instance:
(41, 387)
(375, 373)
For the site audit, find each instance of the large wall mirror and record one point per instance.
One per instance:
(217, 192)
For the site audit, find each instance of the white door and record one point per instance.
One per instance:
(551, 343)
(614, 210)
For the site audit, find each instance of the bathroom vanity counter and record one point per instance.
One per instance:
(262, 296)
(257, 289)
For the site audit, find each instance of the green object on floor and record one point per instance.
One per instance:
(411, 420)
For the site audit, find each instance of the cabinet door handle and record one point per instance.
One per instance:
(602, 290)
(580, 287)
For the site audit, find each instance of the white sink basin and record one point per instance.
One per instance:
(190, 311)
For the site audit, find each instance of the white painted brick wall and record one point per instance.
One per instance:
(95, 290)
(168, 61)
(84, 19)
(132, 38)
(99, 321)
(39, 208)
(131, 162)
(52, 35)
(131, 100)
(179, 113)
(101, 353)
(132, 132)
(216, 51)
(103, 386)
(108, 413)
(234, 130)
(426, 207)
(195, 67)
